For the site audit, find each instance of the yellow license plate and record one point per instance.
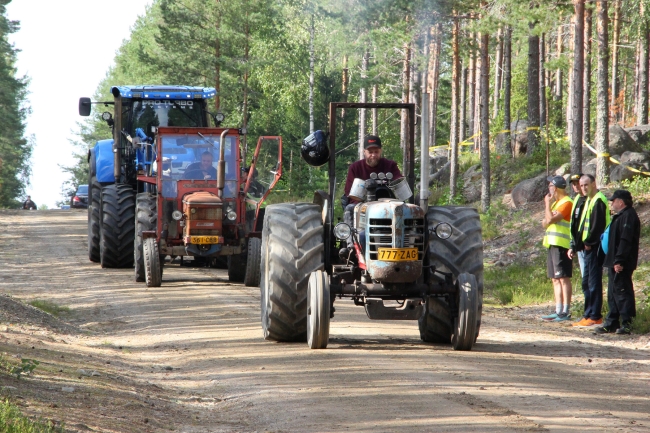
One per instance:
(397, 254)
(204, 239)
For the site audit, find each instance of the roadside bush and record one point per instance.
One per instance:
(13, 421)
(49, 307)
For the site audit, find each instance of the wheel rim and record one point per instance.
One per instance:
(318, 313)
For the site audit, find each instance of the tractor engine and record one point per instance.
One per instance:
(394, 234)
(203, 215)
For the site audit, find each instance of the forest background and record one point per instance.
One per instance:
(571, 68)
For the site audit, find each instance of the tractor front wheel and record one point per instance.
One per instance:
(152, 265)
(318, 310)
(94, 206)
(465, 323)
(146, 220)
(252, 277)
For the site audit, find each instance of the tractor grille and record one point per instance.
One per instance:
(205, 232)
(414, 235)
(207, 213)
(380, 235)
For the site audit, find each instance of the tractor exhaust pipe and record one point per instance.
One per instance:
(424, 153)
(221, 164)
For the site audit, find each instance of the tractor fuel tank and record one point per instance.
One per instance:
(394, 239)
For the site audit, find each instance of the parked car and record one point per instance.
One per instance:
(80, 198)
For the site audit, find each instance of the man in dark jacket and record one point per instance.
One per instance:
(29, 204)
(595, 218)
(621, 259)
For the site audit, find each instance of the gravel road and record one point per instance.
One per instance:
(189, 357)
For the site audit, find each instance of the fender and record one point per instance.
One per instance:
(103, 161)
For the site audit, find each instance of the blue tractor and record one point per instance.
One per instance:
(397, 259)
(144, 179)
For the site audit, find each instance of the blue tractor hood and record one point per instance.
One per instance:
(163, 92)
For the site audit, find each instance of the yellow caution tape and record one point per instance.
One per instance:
(606, 155)
(503, 131)
(532, 128)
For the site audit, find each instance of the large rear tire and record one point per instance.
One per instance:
(461, 253)
(117, 231)
(465, 323)
(252, 277)
(292, 248)
(94, 205)
(152, 266)
(146, 220)
(318, 310)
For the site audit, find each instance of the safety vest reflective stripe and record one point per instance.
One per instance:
(589, 207)
(558, 234)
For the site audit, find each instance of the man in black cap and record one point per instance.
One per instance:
(372, 162)
(622, 253)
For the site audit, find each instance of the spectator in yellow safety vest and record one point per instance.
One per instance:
(593, 222)
(557, 222)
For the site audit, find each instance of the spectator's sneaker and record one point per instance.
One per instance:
(591, 322)
(551, 316)
(623, 330)
(604, 330)
(580, 323)
(562, 318)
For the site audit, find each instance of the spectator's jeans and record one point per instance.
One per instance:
(592, 285)
(581, 261)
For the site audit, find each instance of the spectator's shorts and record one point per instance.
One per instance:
(558, 264)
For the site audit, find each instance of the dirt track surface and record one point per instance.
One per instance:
(189, 357)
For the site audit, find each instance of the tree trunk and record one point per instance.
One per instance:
(463, 106)
(406, 86)
(345, 81)
(477, 97)
(571, 82)
(485, 122)
(471, 84)
(363, 98)
(586, 79)
(436, 46)
(533, 92)
(507, 86)
(217, 66)
(311, 75)
(577, 93)
(542, 81)
(414, 81)
(245, 102)
(498, 68)
(455, 94)
(642, 113)
(375, 123)
(615, 103)
(557, 94)
(602, 118)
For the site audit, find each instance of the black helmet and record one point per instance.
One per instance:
(314, 149)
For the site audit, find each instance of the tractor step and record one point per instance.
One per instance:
(411, 310)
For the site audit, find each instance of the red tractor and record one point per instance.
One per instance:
(199, 201)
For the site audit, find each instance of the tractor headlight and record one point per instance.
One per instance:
(443, 230)
(231, 214)
(342, 231)
(177, 215)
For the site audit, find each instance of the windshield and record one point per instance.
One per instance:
(83, 189)
(158, 112)
(192, 156)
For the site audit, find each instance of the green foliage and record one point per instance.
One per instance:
(15, 148)
(638, 186)
(519, 284)
(27, 366)
(13, 421)
(49, 307)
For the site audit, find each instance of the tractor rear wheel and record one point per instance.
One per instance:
(146, 220)
(117, 226)
(236, 268)
(318, 310)
(465, 323)
(94, 204)
(252, 277)
(152, 266)
(460, 253)
(292, 248)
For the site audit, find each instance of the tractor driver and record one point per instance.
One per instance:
(204, 168)
(372, 162)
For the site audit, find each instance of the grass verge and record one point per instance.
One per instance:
(49, 307)
(13, 421)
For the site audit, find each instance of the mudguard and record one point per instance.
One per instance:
(104, 161)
